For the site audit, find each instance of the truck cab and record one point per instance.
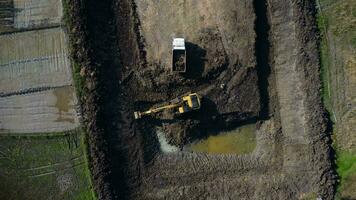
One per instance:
(179, 55)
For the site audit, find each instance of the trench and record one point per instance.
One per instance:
(95, 47)
(262, 53)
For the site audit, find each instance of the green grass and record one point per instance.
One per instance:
(325, 76)
(338, 20)
(79, 80)
(44, 167)
(346, 169)
(346, 163)
(325, 62)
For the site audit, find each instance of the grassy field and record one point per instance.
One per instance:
(44, 167)
(337, 24)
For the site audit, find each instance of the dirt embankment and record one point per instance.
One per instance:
(92, 33)
(307, 150)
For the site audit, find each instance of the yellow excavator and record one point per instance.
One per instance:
(179, 105)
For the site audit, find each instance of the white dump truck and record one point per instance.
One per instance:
(179, 55)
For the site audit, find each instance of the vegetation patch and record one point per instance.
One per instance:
(324, 63)
(44, 167)
(337, 25)
(346, 168)
(78, 74)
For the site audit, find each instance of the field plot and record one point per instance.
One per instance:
(44, 167)
(33, 59)
(25, 14)
(46, 111)
(42, 152)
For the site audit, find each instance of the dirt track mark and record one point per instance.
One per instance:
(46, 65)
(62, 168)
(55, 164)
(37, 112)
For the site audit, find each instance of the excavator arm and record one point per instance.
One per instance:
(184, 104)
(139, 115)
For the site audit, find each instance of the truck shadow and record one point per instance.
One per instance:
(195, 61)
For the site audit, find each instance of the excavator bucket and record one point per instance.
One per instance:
(137, 115)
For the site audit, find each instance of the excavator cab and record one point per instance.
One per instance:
(181, 105)
(190, 102)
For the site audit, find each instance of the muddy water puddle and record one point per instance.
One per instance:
(64, 100)
(238, 141)
(165, 147)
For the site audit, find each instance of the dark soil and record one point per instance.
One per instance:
(179, 64)
(94, 47)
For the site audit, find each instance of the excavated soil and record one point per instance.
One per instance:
(254, 63)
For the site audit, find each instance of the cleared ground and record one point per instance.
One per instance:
(33, 59)
(230, 32)
(337, 22)
(44, 167)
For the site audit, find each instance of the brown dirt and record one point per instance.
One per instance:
(108, 42)
(179, 61)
